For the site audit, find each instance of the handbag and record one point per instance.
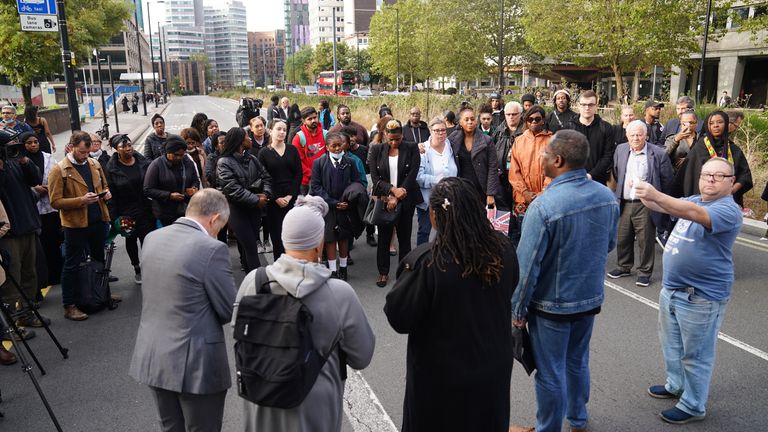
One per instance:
(376, 213)
(522, 350)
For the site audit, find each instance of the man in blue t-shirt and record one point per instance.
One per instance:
(697, 281)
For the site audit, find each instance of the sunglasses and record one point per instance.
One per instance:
(534, 119)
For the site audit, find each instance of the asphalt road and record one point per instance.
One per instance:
(91, 391)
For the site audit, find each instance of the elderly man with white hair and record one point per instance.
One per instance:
(635, 161)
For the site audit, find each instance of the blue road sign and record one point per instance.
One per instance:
(36, 7)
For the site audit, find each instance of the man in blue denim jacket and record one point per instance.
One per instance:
(698, 277)
(567, 234)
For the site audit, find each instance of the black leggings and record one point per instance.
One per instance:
(404, 226)
(132, 242)
(246, 223)
(274, 221)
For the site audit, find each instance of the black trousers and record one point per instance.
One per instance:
(404, 226)
(51, 238)
(274, 220)
(132, 242)
(246, 223)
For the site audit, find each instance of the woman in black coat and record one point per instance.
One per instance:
(125, 173)
(475, 156)
(394, 166)
(248, 188)
(452, 297)
(170, 181)
(283, 164)
(714, 142)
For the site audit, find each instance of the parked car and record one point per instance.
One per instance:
(363, 93)
(394, 93)
(310, 90)
(297, 89)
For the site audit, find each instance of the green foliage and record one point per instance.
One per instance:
(28, 56)
(407, 15)
(625, 36)
(322, 58)
(296, 66)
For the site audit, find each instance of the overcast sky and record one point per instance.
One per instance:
(263, 15)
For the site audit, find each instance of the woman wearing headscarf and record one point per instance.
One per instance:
(248, 188)
(716, 143)
(50, 233)
(394, 166)
(125, 173)
(170, 181)
(456, 292)
(337, 318)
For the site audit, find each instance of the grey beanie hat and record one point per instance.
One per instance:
(304, 225)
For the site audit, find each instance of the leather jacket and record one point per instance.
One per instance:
(241, 177)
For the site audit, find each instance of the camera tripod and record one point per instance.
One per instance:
(8, 321)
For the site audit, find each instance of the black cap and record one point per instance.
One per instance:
(494, 96)
(528, 97)
(653, 103)
(175, 143)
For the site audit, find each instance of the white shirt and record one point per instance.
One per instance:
(637, 168)
(393, 170)
(199, 225)
(439, 161)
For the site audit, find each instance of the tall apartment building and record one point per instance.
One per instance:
(296, 14)
(179, 27)
(321, 21)
(266, 52)
(226, 42)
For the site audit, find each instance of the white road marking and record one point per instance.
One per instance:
(752, 244)
(722, 336)
(362, 407)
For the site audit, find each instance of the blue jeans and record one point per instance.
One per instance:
(425, 226)
(688, 327)
(561, 351)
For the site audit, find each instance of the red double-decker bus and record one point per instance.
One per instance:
(345, 82)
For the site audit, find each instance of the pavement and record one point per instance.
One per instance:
(91, 391)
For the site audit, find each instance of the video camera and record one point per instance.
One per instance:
(10, 147)
(248, 109)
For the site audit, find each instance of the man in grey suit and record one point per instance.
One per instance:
(188, 294)
(636, 161)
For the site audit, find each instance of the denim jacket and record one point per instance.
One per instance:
(567, 234)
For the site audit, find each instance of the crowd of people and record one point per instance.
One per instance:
(306, 184)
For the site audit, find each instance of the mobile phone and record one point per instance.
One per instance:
(102, 194)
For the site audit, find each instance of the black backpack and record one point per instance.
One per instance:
(92, 292)
(275, 357)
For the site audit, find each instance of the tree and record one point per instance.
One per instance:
(624, 36)
(203, 58)
(322, 58)
(296, 65)
(27, 56)
(384, 39)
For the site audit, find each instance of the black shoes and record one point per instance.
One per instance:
(371, 240)
(342, 273)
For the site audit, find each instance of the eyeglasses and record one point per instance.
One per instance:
(589, 105)
(513, 114)
(718, 177)
(534, 119)
(439, 130)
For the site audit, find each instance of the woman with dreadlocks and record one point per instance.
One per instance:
(714, 142)
(452, 297)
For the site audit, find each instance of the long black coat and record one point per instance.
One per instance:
(161, 180)
(483, 159)
(699, 155)
(128, 199)
(459, 360)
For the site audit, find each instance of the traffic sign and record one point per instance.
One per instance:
(36, 7)
(39, 23)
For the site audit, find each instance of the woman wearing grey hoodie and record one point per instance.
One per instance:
(338, 316)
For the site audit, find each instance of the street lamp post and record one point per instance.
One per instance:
(141, 65)
(397, 23)
(501, 49)
(163, 86)
(335, 90)
(112, 84)
(101, 87)
(152, 57)
(703, 52)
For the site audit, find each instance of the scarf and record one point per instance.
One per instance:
(713, 153)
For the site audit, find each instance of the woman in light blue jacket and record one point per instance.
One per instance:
(437, 162)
